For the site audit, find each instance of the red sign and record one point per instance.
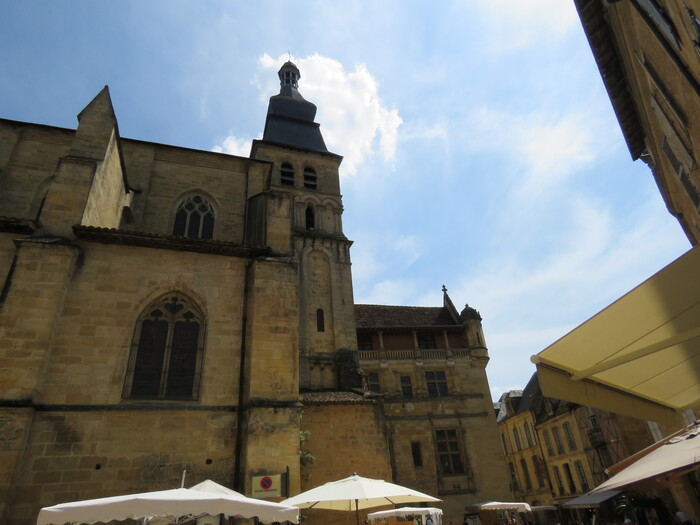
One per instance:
(265, 482)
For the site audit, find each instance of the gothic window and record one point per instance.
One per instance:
(449, 451)
(436, 383)
(373, 382)
(310, 218)
(320, 325)
(417, 454)
(287, 174)
(310, 180)
(194, 218)
(406, 386)
(166, 351)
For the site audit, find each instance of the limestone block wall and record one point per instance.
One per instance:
(345, 438)
(93, 335)
(324, 164)
(165, 175)
(28, 315)
(28, 156)
(92, 453)
(108, 193)
(272, 352)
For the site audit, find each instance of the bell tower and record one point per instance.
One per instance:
(303, 168)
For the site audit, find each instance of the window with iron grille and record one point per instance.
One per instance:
(194, 218)
(529, 435)
(516, 437)
(559, 481)
(373, 382)
(569, 436)
(548, 443)
(526, 473)
(569, 478)
(436, 383)
(583, 481)
(406, 386)
(449, 451)
(557, 440)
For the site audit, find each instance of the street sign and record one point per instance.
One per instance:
(267, 486)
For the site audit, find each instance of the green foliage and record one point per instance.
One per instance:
(306, 457)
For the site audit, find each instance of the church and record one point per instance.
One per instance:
(165, 309)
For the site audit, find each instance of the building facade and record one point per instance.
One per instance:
(648, 54)
(166, 309)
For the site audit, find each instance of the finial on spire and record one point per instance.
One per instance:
(444, 289)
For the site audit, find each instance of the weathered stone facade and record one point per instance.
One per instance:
(165, 309)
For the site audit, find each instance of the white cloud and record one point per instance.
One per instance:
(354, 120)
(514, 24)
(234, 146)
(550, 147)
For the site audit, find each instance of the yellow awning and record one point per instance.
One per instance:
(640, 356)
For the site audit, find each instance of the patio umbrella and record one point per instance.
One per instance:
(355, 493)
(678, 453)
(206, 498)
(519, 506)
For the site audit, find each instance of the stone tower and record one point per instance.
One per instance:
(303, 167)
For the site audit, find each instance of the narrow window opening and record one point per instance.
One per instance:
(417, 454)
(406, 386)
(373, 382)
(320, 325)
(310, 218)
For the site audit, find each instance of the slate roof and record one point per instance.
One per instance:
(333, 397)
(381, 316)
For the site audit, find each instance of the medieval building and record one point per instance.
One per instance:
(166, 309)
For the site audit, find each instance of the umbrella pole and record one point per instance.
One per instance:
(357, 513)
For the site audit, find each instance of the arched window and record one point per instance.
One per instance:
(287, 174)
(166, 351)
(320, 324)
(194, 218)
(310, 180)
(310, 218)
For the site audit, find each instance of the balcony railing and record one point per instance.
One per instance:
(439, 353)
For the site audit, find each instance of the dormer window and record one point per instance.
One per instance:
(287, 174)
(310, 180)
(194, 218)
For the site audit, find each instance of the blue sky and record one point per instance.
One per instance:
(481, 150)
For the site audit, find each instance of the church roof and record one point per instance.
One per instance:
(290, 118)
(381, 316)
